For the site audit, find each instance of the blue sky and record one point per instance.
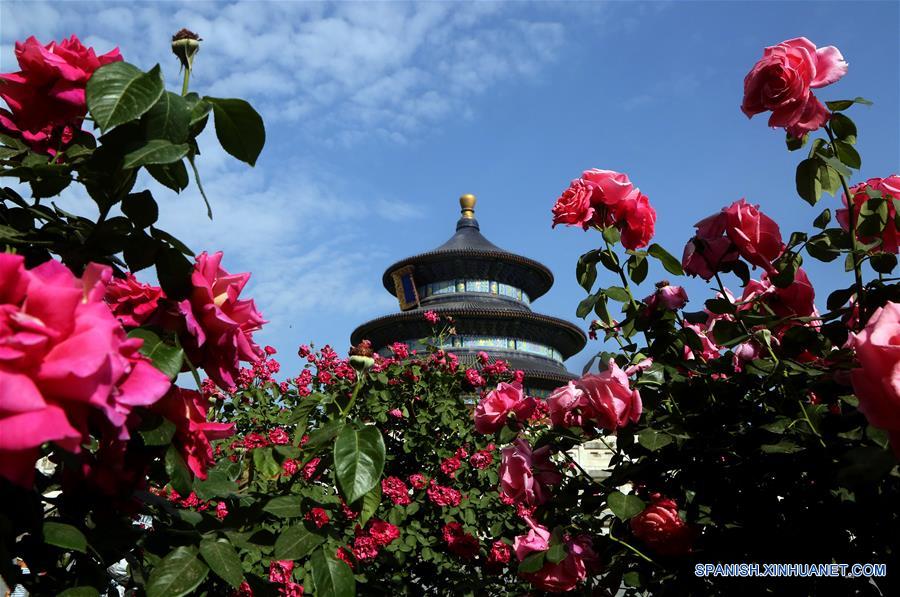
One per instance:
(380, 115)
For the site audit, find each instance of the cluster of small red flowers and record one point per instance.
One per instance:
(483, 458)
(463, 544)
(281, 573)
(395, 489)
(318, 517)
(500, 553)
(303, 381)
(418, 481)
(432, 317)
(367, 543)
(347, 511)
(400, 350)
(443, 496)
(446, 361)
(191, 502)
(474, 378)
(498, 367)
(279, 437)
(450, 465)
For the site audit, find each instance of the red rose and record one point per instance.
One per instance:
(876, 382)
(46, 98)
(132, 302)
(384, 533)
(219, 326)
(281, 571)
(783, 79)
(661, 528)
(364, 548)
(187, 409)
(500, 553)
(64, 360)
(396, 490)
(573, 208)
(756, 235)
(637, 222)
(443, 496)
(890, 189)
(796, 300)
(463, 544)
(318, 517)
(418, 481)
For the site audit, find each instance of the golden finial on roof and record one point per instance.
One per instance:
(467, 205)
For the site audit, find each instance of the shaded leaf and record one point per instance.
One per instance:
(296, 542)
(165, 357)
(222, 560)
(179, 573)
(239, 128)
(65, 536)
(332, 577)
(120, 92)
(625, 506)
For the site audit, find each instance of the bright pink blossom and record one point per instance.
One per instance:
(46, 97)
(280, 571)
(661, 527)
(876, 382)
(565, 575)
(418, 481)
(432, 317)
(132, 302)
(525, 475)
(279, 437)
(219, 325)
(605, 401)
(187, 409)
(384, 533)
(395, 489)
(782, 82)
(667, 297)
(365, 548)
(64, 359)
(493, 411)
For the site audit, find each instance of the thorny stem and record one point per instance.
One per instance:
(632, 548)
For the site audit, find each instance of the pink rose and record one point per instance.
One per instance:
(132, 302)
(890, 189)
(710, 350)
(494, 409)
(573, 208)
(537, 539)
(565, 575)
(605, 400)
(756, 235)
(63, 359)
(525, 475)
(667, 297)
(783, 79)
(46, 97)
(281, 571)
(610, 190)
(187, 409)
(662, 529)
(474, 378)
(876, 382)
(796, 300)
(709, 251)
(219, 326)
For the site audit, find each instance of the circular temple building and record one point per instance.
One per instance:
(488, 293)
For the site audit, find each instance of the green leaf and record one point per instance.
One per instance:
(358, 460)
(160, 435)
(165, 237)
(15, 143)
(179, 474)
(285, 506)
(793, 143)
(10, 152)
(223, 560)
(837, 165)
(65, 536)
(140, 208)
(782, 447)
(842, 126)
(239, 128)
(611, 235)
(844, 104)
(720, 306)
(532, 562)
(654, 440)
(370, 504)
(120, 92)
(173, 272)
(296, 542)
(173, 176)
(165, 357)
(332, 577)
(625, 506)
(265, 463)
(216, 485)
(168, 119)
(883, 263)
(822, 219)
(808, 186)
(672, 265)
(617, 293)
(155, 151)
(847, 154)
(585, 306)
(586, 273)
(557, 553)
(638, 266)
(179, 573)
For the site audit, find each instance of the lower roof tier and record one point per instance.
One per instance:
(477, 320)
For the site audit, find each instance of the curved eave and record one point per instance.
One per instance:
(536, 284)
(574, 339)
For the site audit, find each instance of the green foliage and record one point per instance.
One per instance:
(358, 460)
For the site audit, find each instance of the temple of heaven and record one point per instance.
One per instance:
(488, 292)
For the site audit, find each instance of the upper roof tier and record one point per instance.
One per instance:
(469, 255)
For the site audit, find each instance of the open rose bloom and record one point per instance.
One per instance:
(46, 97)
(890, 189)
(63, 359)
(782, 83)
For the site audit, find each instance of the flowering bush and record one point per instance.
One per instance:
(752, 429)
